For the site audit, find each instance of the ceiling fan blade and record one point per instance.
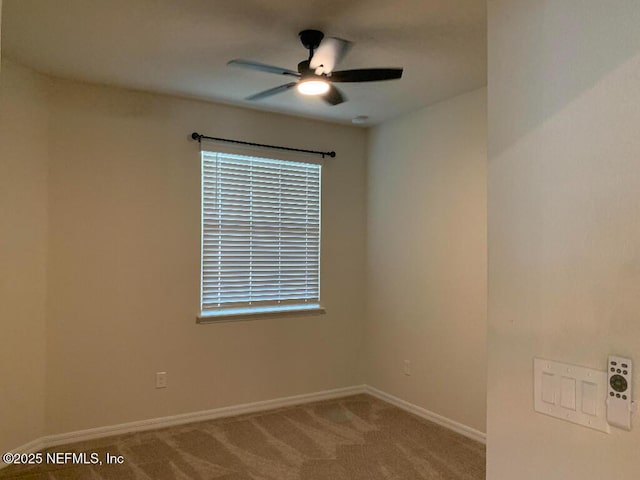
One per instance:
(272, 91)
(334, 96)
(366, 75)
(262, 67)
(330, 52)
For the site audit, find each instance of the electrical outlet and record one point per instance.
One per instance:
(407, 367)
(161, 379)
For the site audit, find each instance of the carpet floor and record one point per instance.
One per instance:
(353, 438)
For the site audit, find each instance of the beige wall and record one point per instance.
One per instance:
(124, 263)
(564, 224)
(114, 234)
(23, 247)
(426, 241)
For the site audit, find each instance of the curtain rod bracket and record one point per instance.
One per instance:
(197, 136)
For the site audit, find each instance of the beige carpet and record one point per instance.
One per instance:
(354, 438)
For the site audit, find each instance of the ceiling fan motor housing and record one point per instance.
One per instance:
(303, 67)
(304, 70)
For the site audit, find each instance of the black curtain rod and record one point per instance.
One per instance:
(199, 138)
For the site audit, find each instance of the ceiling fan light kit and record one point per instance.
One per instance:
(312, 87)
(315, 75)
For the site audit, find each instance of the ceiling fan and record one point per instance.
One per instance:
(316, 76)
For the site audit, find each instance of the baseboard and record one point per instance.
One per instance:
(460, 428)
(169, 421)
(233, 410)
(33, 446)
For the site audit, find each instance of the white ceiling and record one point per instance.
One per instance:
(182, 47)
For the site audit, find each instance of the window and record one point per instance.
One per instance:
(260, 235)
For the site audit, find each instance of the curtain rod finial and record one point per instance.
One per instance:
(196, 136)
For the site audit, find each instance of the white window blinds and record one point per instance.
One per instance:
(260, 233)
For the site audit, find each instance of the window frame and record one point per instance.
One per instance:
(260, 311)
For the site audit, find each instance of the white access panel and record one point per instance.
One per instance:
(572, 393)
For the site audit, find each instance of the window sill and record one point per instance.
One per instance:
(239, 314)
